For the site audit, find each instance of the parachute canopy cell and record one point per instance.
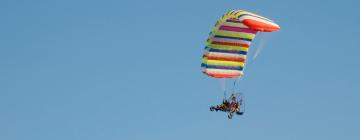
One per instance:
(229, 41)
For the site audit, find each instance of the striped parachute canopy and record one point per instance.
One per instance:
(229, 42)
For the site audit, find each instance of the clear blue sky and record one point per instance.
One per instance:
(130, 70)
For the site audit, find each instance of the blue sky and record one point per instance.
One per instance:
(130, 70)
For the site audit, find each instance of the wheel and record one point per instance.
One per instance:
(240, 113)
(212, 108)
(230, 116)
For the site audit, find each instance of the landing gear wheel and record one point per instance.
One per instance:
(212, 108)
(240, 113)
(230, 116)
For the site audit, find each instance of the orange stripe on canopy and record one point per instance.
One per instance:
(261, 26)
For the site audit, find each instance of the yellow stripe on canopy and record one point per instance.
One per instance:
(235, 34)
(223, 63)
(227, 47)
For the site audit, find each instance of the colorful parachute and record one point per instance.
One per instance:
(229, 42)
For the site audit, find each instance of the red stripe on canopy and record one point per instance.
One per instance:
(236, 59)
(237, 29)
(230, 44)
